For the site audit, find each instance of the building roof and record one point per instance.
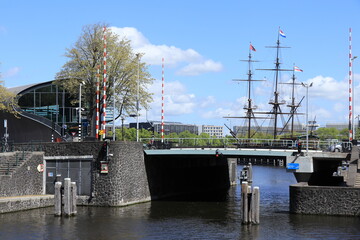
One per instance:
(20, 89)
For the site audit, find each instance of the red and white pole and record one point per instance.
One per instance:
(350, 91)
(97, 102)
(162, 103)
(103, 124)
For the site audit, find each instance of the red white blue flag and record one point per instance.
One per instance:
(282, 33)
(297, 69)
(252, 48)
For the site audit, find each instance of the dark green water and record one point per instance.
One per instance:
(191, 218)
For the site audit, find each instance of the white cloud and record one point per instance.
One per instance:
(177, 100)
(11, 72)
(327, 88)
(198, 68)
(196, 64)
(208, 101)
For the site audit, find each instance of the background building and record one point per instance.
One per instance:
(216, 131)
(169, 127)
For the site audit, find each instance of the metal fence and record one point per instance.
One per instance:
(241, 143)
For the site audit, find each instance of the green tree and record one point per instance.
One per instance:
(125, 73)
(327, 133)
(7, 99)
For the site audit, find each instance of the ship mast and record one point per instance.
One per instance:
(293, 106)
(250, 107)
(276, 110)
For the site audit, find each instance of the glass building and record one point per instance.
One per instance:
(51, 105)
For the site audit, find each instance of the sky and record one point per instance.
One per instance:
(202, 43)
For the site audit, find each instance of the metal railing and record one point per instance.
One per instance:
(241, 143)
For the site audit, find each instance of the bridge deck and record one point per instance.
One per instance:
(237, 152)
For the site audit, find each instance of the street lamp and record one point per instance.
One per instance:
(307, 86)
(137, 98)
(122, 127)
(352, 96)
(80, 109)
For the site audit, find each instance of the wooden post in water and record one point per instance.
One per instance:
(250, 204)
(255, 206)
(73, 198)
(67, 197)
(244, 203)
(57, 199)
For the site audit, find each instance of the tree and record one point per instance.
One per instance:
(7, 99)
(125, 73)
(327, 133)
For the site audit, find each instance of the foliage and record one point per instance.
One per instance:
(125, 73)
(7, 99)
(327, 133)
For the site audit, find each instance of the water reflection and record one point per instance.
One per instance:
(191, 217)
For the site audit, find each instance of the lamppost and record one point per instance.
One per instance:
(80, 123)
(352, 96)
(122, 128)
(307, 86)
(137, 98)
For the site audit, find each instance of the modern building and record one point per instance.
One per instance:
(169, 127)
(46, 113)
(214, 131)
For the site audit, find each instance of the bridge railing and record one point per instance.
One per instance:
(230, 142)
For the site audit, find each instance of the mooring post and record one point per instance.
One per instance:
(73, 198)
(249, 196)
(250, 173)
(255, 206)
(244, 202)
(67, 196)
(57, 199)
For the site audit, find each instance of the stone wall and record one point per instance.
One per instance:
(25, 180)
(125, 183)
(324, 200)
(25, 203)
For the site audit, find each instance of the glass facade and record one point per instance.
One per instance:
(52, 102)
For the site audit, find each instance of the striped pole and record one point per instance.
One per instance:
(162, 103)
(103, 125)
(97, 102)
(350, 91)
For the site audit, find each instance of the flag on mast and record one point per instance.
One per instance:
(252, 48)
(282, 33)
(297, 69)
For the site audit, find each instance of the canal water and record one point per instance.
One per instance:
(195, 217)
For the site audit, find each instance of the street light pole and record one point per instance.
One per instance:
(307, 86)
(352, 96)
(80, 135)
(137, 98)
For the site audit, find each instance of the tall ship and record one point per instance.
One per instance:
(280, 122)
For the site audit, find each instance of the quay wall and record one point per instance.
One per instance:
(324, 200)
(126, 181)
(25, 179)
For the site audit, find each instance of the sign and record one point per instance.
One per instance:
(293, 166)
(40, 167)
(50, 174)
(104, 168)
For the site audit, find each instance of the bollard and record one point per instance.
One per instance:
(73, 198)
(57, 199)
(67, 197)
(244, 202)
(250, 204)
(250, 173)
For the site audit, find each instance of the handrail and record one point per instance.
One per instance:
(266, 143)
(42, 120)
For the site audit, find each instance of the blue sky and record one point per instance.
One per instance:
(202, 43)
